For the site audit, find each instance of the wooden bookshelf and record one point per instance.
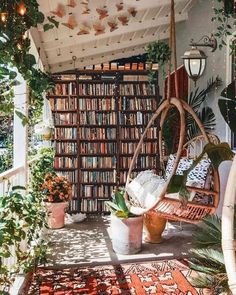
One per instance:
(99, 117)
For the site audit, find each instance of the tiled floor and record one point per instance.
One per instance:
(89, 243)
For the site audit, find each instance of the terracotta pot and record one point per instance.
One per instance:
(56, 214)
(127, 234)
(153, 227)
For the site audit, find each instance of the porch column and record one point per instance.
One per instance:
(20, 132)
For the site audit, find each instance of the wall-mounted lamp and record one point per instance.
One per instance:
(195, 59)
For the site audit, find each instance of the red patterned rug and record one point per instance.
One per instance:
(160, 278)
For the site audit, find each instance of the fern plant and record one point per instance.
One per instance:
(207, 256)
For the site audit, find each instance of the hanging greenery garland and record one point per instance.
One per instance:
(16, 18)
(226, 17)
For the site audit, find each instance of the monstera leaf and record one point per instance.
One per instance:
(228, 106)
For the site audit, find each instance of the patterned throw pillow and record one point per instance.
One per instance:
(184, 164)
(198, 174)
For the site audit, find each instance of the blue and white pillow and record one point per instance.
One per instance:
(198, 174)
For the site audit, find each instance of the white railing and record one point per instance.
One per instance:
(12, 177)
(19, 176)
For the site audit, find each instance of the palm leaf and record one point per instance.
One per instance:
(210, 233)
(207, 118)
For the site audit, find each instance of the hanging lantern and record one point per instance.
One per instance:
(3, 17)
(21, 9)
(194, 63)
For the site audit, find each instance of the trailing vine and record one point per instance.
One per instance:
(15, 47)
(226, 18)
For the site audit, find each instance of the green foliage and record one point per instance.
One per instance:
(226, 20)
(207, 257)
(118, 205)
(196, 99)
(228, 106)
(22, 218)
(217, 153)
(40, 168)
(157, 52)
(14, 52)
(6, 159)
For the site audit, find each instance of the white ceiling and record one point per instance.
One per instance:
(58, 46)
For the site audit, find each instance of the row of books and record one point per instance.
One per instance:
(97, 89)
(142, 162)
(93, 206)
(98, 148)
(126, 66)
(147, 147)
(96, 191)
(136, 104)
(104, 104)
(72, 176)
(64, 89)
(137, 89)
(65, 119)
(97, 133)
(65, 162)
(134, 118)
(98, 162)
(98, 176)
(135, 132)
(95, 118)
(66, 133)
(65, 148)
(62, 104)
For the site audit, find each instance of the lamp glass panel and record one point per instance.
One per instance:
(186, 65)
(195, 65)
(203, 66)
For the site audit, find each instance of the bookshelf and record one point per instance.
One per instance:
(99, 116)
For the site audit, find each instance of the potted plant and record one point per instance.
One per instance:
(126, 227)
(57, 192)
(44, 130)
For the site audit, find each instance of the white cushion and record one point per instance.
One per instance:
(145, 188)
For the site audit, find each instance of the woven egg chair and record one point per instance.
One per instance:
(169, 208)
(173, 209)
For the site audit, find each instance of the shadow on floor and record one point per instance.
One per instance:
(89, 243)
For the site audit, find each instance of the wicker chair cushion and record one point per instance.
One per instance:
(144, 189)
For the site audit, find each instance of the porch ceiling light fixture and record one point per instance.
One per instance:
(195, 59)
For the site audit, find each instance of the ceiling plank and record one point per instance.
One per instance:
(53, 45)
(106, 49)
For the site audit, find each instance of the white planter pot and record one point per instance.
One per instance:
(127, 234)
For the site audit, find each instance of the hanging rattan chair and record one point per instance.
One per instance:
(169, 208)
(174, 209)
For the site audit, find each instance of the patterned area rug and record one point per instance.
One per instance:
(160, 278)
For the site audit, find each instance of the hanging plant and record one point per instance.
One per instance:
(15, 46)
(157, 52)
(226, 18)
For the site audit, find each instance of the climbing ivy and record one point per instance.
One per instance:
(15, 47)
(225, 17)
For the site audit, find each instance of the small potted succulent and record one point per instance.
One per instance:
(126, 227)
(57, 193)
